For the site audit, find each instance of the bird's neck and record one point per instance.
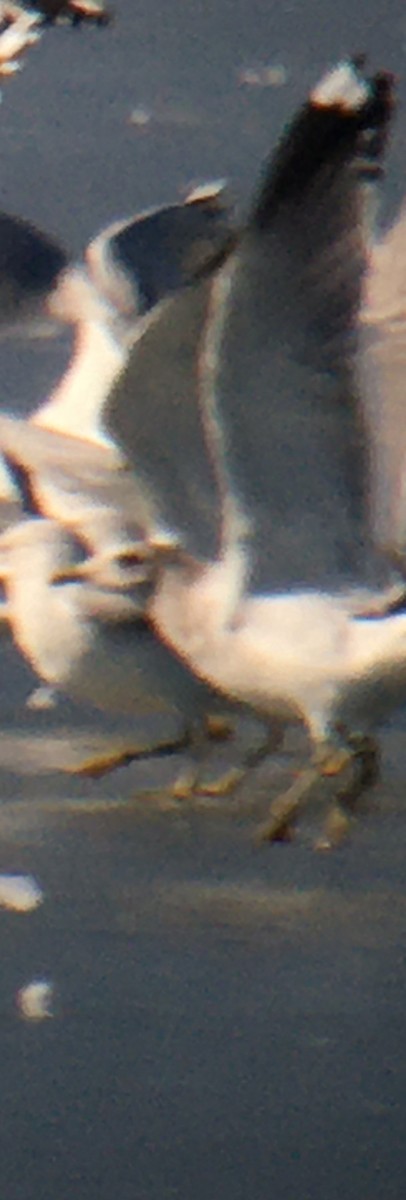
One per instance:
(75, 406)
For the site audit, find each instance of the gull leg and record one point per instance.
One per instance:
(230, 779)
(285, 808)
(272, 742)
(219, 728)
(227, 782)
(189, 784)
(355, 763)
(365, 772)
(96, 767)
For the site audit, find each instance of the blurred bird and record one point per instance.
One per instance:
(92, 642)
(78, 475)
(32, 267)
(384, 318)
(253, 378)
(128, 268)
(19, 29)
(64, 466)
(75, 11)
(135, 262)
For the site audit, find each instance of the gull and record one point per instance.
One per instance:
(262, 385)
(127, 269)
(61, 460)
(77, 473)
(92, 642)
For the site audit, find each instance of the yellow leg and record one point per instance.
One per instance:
(363, 757)
(285, 808)
(218, 728)
(355, 763)
(95, 768)
(189, 783)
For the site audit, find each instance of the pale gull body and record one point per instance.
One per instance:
(93, 643)
(295, 614)
(54, 620)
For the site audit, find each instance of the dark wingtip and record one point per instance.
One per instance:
(29, 258)
(172, 246)
(346, 117)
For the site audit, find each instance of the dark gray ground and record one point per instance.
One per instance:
(229, 1022)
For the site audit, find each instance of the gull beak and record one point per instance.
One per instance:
(119, 571)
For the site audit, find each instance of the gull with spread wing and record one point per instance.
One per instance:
(76, 472)
(258, 378)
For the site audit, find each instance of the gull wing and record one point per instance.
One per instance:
(384, 318)
(30, 264)
(134, 264)
(153, 410)
(153, 413)
(78, 474)
(263, 351)
(283, 344)
(137, 262)
(70, 478)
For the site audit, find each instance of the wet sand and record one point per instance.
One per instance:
(227, 1022)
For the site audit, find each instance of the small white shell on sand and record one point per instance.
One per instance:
(20, 892)
(41, 698)
(140, 116)
(35, 1000)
